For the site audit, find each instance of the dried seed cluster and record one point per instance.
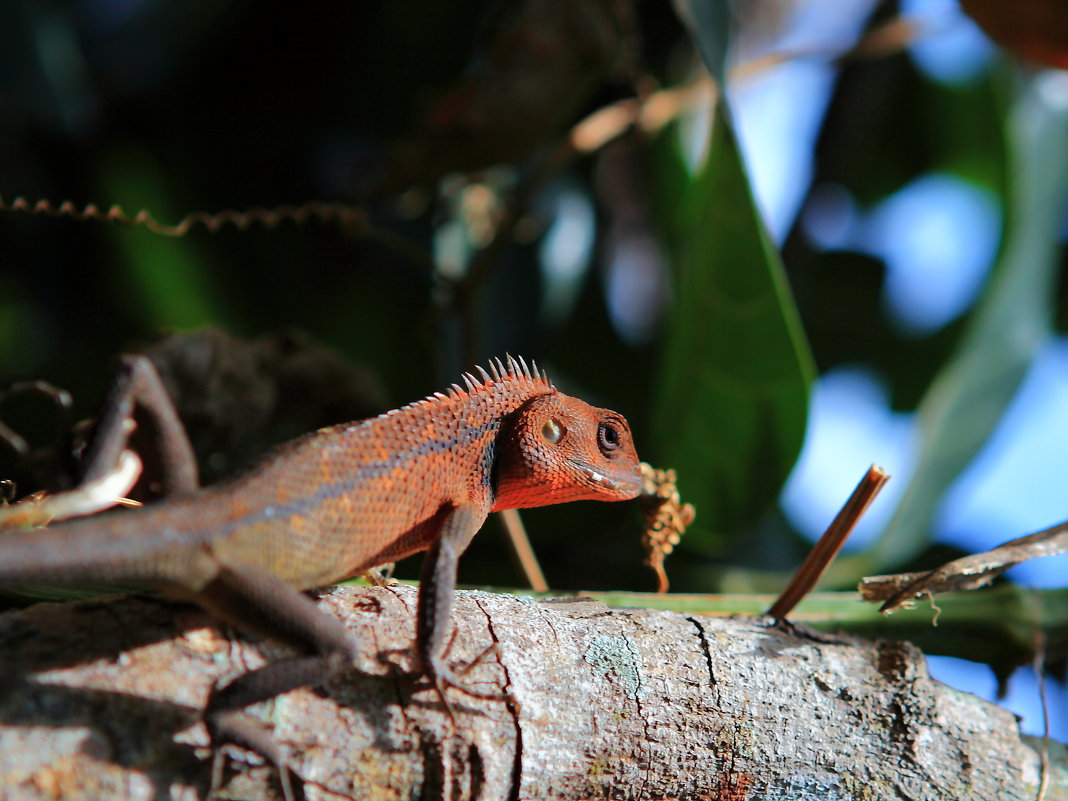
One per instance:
(666, 518)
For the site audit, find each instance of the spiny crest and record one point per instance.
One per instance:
(511, 369)
(498, 372)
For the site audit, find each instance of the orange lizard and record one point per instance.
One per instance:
(328, 506)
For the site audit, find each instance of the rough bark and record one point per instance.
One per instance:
(101, 699)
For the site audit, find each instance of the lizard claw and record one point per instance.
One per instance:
(441, 677)
(246, 732)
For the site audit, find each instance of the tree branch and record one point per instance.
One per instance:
(102, 698)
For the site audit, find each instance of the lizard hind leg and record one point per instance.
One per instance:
(137, 390)
(257, 600)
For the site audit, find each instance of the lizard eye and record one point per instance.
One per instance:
(608, 437)
(552, 431)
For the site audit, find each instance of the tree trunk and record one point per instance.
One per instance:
(101, 699)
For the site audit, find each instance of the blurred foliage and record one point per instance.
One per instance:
(732, 350)
(965, 401)
(1036, 30)
(452, 136)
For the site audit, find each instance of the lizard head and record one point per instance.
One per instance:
(555, 448)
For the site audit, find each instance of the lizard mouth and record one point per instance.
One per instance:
(630, 484)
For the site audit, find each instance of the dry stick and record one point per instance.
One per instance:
(967, 573)
(824, 551)
(1038, 664)
(528, 562)
(888, 39)
(91, 497)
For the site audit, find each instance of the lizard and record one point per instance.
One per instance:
(325, 507)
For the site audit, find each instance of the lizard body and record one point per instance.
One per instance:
(349, 497)
(331, 505)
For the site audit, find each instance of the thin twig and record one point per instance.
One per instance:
(1040, 673)
(524, 553)
(352, 219)
(824, 551)
(92, 496)
(242, 220)
(967, 573)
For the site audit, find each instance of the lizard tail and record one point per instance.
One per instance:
(110, 550)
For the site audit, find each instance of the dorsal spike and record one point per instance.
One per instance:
(495, 369)
(523, 367)
(533, 369)
(545, 378)
(501, 369)
(513, 365)
(485, 376)
(458, 390)
(471, 382)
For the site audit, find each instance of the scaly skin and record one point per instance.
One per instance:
(350, 497)
(328, 506)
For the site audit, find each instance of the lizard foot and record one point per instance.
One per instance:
(441, 677)
(228, 724)
(247, 732)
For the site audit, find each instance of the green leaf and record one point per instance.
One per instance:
(966, 401)
(733, 390)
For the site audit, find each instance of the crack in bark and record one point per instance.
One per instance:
(638, 702)
(547, 617)
(324, 788)
(513, 707)
(706, 650)
(478, 770)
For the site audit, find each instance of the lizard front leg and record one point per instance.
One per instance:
(458, 525)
